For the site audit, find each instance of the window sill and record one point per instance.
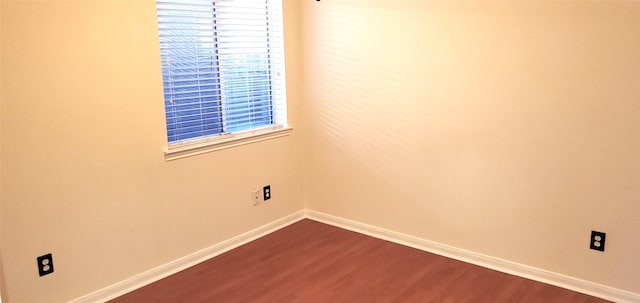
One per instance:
(229, 141)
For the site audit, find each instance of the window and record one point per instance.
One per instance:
(223, 70)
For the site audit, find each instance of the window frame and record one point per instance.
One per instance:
(225, 141)
(278, 127)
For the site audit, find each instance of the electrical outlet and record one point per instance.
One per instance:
(266, 192)
(45, 264)
(597, 240)
(256, 197)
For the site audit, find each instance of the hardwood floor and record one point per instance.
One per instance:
(314, 262)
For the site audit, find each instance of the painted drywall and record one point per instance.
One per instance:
(83, 135)
(2, 284)
(507, 128)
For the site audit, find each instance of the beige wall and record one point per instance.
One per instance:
(2, 281)
(509, 129)
(83, 173)
(506, 128)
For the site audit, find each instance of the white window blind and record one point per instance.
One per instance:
(222, 66)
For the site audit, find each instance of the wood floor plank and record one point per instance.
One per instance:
(313, 262)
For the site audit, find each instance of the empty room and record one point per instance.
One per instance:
(463, 151)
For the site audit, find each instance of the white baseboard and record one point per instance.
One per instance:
(516, 269)
(163, 271)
